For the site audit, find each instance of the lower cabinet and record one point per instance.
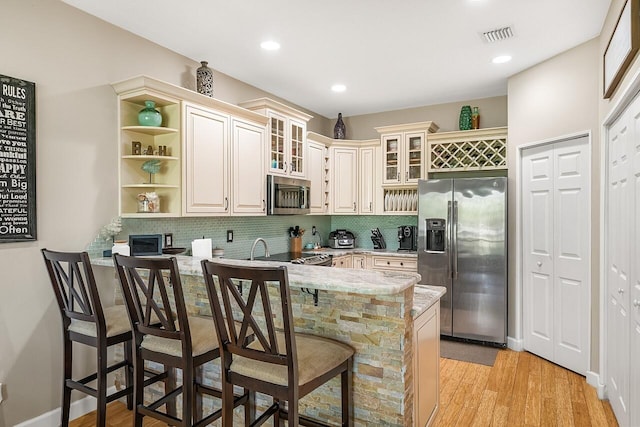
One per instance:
(426, 366)
(359, 261)
(395, 263)
(343, 261)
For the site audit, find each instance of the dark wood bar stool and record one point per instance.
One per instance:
(279, 362)
(164, 333)
(85, 321)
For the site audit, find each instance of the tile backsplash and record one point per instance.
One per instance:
(274, 229)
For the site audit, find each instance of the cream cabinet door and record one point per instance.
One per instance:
(249, 179)
(344, 172)
(206, 162)
(426, 338)
(316, 174)
(366, 174)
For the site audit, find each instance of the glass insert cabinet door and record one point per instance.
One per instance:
(414, 144)
(277, 145)
(391, 146)
(297, 149)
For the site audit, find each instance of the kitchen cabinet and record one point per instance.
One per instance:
(210, 153)
(318, 174)
(359, 261)
(468, 150)
(286, 149)
(249, 179)
(206, 161)
(354, 179)
(344, 180)
(403, 151)
(394, 263)
(426, 344)
(342, 261)
(163, 143)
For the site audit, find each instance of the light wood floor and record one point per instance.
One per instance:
(519, 390)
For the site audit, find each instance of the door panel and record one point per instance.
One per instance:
(556, 250)
(479, 259)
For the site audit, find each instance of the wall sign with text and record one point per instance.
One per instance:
(17, 160)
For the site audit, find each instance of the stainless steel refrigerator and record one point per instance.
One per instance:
(462, 245)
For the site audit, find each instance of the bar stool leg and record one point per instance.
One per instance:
(66, 391)
(102, 387)
(250, 408)
(138, 389)
(128, 357)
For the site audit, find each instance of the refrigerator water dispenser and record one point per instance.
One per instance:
(435, 234)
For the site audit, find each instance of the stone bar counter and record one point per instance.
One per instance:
(372, 311)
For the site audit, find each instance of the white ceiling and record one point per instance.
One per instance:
(390, 54)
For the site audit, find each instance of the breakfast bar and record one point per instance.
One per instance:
(376, 313)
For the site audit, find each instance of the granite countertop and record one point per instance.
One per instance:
(363, 251)
(424, 296)
(370, 282)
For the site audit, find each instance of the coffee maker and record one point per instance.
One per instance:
(407, 238)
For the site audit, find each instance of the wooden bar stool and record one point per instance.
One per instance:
(164, 333)
(84, 320)
(279, 362)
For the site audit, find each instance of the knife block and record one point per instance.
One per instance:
(296, 244)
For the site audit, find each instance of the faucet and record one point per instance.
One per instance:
(266, 248)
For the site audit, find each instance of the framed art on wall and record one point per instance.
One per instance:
(622, 47)
(17, 160)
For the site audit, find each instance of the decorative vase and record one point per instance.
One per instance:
(339, 130)
(204, 79)
(475, 119)
(465, 117)
(149, 116)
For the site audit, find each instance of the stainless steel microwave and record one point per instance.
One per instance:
(287, 196)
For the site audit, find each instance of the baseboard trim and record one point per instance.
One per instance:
(52, 418)
(515, 344)
(593, 379)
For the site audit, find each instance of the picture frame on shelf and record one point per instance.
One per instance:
(622, 47)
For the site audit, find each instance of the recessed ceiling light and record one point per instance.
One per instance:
(270, 45)
(501, 59)
(338, 88)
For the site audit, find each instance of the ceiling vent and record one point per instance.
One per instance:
(497, 35)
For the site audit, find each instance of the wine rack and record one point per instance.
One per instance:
(483, 149)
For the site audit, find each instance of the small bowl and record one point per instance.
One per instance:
(173, 251)
(309, 246)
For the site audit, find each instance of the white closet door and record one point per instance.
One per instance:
(537, 254)
(618, 230)
(634, 391)
(556, 249)
(572, 252)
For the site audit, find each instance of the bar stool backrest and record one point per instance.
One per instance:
(74, 286)
(152, 309)
(254, 313)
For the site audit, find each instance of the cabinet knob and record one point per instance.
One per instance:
(620, 291)
(388, 263)
(539, 263)
(401, 263)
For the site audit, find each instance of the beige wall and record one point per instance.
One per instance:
(72, 57)
(493, 113)
(553, 99)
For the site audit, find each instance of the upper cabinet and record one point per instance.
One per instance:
(403, 152)
(149, 156)
(318, 172)
(205, 158)
(468, 150)
(286, 150)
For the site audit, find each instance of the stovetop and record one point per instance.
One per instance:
(297, 258)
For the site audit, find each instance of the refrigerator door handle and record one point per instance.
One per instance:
(454, 240)
(448, 242)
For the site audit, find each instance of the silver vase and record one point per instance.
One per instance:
(204, 79)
